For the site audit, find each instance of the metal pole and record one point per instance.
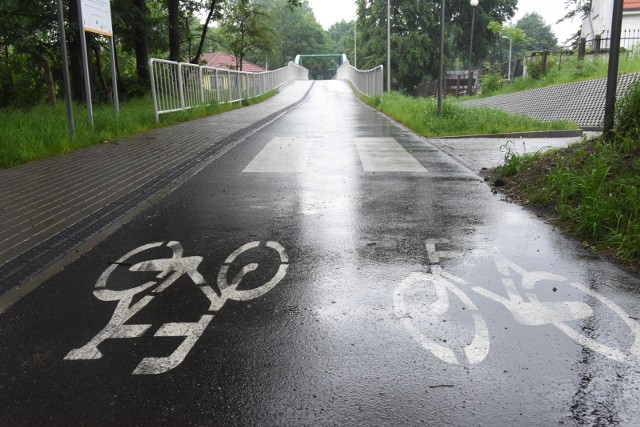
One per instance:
(440, 81)
(355, 43)
(473, 18)
(388, 45)
(509, 59)
(65, 71)
(114, 78)
(612, 76)
(85, 65)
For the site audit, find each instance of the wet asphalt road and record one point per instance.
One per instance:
(387, 285)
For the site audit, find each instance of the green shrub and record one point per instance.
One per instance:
(627, 117)
(492, 79)
(534, 70)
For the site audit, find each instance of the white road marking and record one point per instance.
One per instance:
(385, 155)
(170, 269)
(529, 311)
(443, 283)
(190, 330)
(282, 155)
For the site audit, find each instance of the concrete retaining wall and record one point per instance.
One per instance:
(581, 102)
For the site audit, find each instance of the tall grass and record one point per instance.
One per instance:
(594, 186)
(569, 70)
(43, 132)
(421, 115)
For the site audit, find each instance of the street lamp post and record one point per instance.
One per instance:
(473, 4)
(388, 45)
(441, 65)
(509, 75)
(355, 42)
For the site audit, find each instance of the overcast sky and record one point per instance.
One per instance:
(328, 12)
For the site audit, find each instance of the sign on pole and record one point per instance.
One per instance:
(96, 17)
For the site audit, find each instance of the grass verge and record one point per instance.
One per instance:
(421, 116)
(42, 132)
(591, 189)
(568, 70)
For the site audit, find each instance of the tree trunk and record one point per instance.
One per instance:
(205, 28)
(141, 43)
(174, 29)
(106, 91)
(75, 53)
(48, 77)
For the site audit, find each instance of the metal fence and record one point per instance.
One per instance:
(177, 86)
(368, 82)
(629, 39)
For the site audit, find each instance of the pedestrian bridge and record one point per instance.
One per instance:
(177, 86)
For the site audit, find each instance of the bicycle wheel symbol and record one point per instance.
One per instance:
(168, 271)
(442, 284)
(519, 298)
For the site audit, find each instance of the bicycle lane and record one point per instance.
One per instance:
(386, 291)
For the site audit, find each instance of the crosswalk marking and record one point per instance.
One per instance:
(282, 155)
(385, 155)
(306, 155)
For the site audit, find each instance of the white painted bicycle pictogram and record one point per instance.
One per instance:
(169, 270)
(521, 301)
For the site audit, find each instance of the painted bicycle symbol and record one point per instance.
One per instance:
(521, 301)
(169, 270)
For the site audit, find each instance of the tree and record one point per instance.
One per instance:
(415, 35)
(213, 13)
(539, 35)
(511, 32)
(579, 8)
(341, 38)
(299, 33)
(247, 28)
(28, 52)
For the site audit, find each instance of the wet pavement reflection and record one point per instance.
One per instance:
(349, 288)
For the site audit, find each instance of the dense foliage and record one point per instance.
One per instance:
(267, 32)
(30, 56)
(415, 35)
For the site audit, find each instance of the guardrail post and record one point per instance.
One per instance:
(200, 77)
(582, 48)
(153, 91)
(181, 87)
(217, 86)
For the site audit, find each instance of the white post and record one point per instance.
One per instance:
(388, 45)
(509, 59)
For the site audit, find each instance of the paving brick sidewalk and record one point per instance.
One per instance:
(50, 207)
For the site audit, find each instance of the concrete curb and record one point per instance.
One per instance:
(535, 134)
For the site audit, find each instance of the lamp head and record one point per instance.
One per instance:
(473, 3)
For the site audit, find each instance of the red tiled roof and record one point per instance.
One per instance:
(224, 60)
(631, 4)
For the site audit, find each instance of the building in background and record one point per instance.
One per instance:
(598, 22)
(226, 61)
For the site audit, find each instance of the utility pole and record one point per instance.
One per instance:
(612, 76)
(388, 45)
(440, 80)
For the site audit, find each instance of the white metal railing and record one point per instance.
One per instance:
(177, 86)
(367, 82)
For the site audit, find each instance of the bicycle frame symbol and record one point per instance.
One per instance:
(169, 270)
(526, 309)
